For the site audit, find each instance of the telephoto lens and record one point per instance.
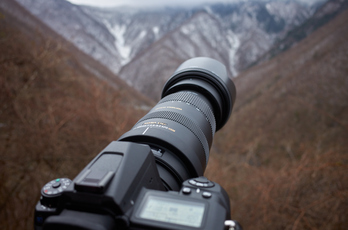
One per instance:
(196, 102)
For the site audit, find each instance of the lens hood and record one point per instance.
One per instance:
(208, 77)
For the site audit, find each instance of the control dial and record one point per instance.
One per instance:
(201, 182)
(53, 190)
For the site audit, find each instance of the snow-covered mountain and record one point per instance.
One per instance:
(259, 24)
(134, 29)
(323, 14)
(252, 27)
(191, 39)
(145, 46)
(88, 34)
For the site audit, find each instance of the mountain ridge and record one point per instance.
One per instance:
(323, 15)
(253, 27)
(169, 52)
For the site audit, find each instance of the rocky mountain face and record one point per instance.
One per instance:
(323, 14)
(149, 70)
(145, 46)
(70, 21)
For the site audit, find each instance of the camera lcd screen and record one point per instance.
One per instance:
(173, 211)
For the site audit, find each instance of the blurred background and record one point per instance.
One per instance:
(76, 75)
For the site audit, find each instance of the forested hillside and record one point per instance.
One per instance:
(283, 157)
(55, 114)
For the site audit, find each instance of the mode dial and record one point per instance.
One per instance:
(53, 190)
(201, 182)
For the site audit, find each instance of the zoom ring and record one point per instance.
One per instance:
(183, 120)
(196, 101)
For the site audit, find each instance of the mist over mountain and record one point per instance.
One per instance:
(144, 46)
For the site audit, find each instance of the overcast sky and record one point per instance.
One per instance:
(142, 3)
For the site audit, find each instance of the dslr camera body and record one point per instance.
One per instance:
(152, 176)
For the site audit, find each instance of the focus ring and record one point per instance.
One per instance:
(179, 118)
(195, 101)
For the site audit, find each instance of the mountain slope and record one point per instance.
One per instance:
(118, 36)
(324, 14)
(258, 25)
(55, 115)
(235, 34)
(135, 29)
(89, 35)
(283, 155)
(151, 69)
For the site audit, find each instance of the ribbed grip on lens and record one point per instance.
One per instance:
(196, 101)
(183, 120)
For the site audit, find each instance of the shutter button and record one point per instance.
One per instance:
(56, 185)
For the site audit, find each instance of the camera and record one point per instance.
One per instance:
(152, 176)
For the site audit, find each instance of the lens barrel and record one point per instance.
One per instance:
(196, 102)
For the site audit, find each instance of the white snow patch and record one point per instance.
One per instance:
(118, 31)
(155, 30)
(269, 8)
(142, 34)
(187, 29)
(235, 44)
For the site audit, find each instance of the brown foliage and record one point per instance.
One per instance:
(54, 118)
(283, 156)
(310, 193)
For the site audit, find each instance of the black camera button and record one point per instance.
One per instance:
(186, 190)
(201, 179)
(56, 185)
(206, 195)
